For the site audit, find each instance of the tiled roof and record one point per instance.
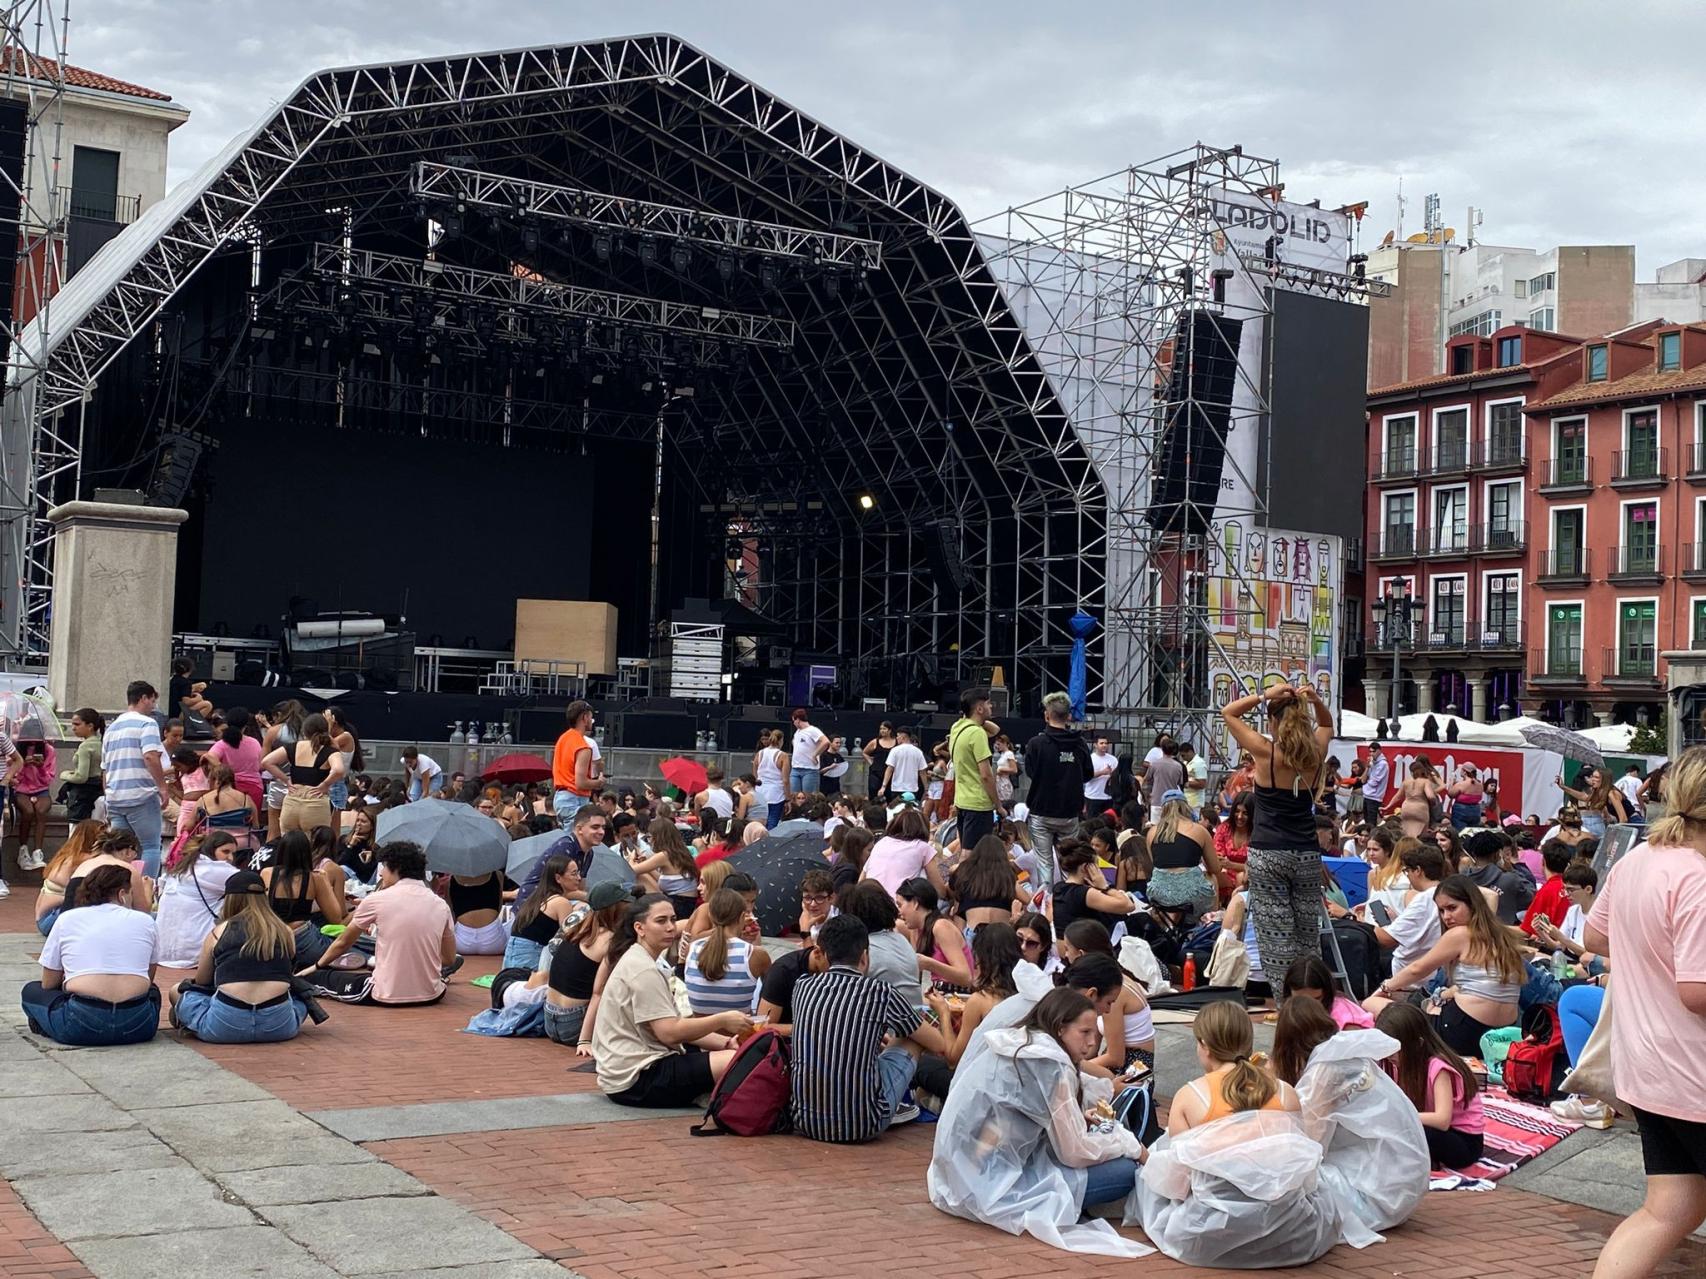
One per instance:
(77, 77)
(1447, 379)
(1634, 385)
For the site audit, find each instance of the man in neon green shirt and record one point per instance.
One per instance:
(975, 802)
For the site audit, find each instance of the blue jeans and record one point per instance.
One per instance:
(214, 1021)
(895, 1068)
(1109, 1182)
(141, 818)
(337, 794)
(565, 803)
(1578, 1014)
(774, 814)
(91, 1023)
(803, 779)
(44, 925)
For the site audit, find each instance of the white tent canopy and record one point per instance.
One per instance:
(1359, 727)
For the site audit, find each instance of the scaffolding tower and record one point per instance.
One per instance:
(1100, 276)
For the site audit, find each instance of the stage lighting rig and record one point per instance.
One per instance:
(680, 257)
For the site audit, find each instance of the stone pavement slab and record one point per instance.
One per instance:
(231, 1136)
(374, 1236)
(192, 1080)
(243, 1252)
(80, 1113)
(30, 1155)
(307, 1184)
(142, 1202)
(38, 1076)
(431, 1119)
(538, 1268)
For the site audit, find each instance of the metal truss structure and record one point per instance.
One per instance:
(910, 394)
(460, 189)
(1102, 274)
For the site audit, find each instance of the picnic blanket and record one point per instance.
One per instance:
(1516, 1133)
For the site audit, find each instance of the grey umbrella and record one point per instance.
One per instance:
(1561, 741)
(458, 840)
(608, 864)
(525, 852)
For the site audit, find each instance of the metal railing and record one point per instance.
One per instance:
(1568, 563)
(1566, 472)
(1451, 540)
(1694, 559)
(1640, 466)
(1501, 453)
(1637, 561)
(1396, 464)
(1471, 636)
(1448, 458)
(537, 677)
(1696, 461)
(1395, 543)
(1562, 665)
(1636, 662)
(98, 206)
(1508, 537)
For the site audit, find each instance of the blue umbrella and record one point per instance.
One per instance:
(457, 839)
(1081, 625)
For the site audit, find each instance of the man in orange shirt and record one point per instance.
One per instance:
(575, 773)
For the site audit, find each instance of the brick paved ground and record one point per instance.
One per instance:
(643, 1200)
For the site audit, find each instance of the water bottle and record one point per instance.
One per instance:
(711, 740)
(1560, 965)
(1188, 980)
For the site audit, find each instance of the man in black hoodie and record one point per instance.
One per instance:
(1057, 761)
(1514, 886)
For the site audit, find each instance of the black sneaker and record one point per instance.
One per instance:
(451, 967)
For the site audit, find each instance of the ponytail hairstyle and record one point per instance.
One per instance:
(1685, 792)
(217, 772)
(1303, 1026)
(121, 844)
(334, 716)
(103, 885)
(1096, 974)
(727, 909)
(1225, 1030)
(921, 892)
(1419, 1043)
(1295, 743)
(625, 935)
(316, 733)
(202, 846)
(236, 725)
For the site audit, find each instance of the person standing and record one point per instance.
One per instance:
(420, 773)
(1374, 784)
(133, 763)
(804, 776)
(1103, 764)
(876, 752)
(574, 778)
(1285, 857)
(835, 766)
(905, 767)
(1196, 778)
(1630, 785)
(975, 802)
(768, 763)
(1164, 774)
(1059, 764)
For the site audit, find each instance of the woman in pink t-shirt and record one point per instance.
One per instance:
(242, 755)
(1439, 1083)
(904, 852)
(1650, 922)
(1311, 978)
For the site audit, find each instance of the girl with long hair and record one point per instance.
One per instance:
(1284, 856)
(1186, 872)
(1036, 941)
(1012, 1135)
(670, 869)
(1438, 1083)
(77, 849)
(241, 992)
(1416, 797)
(1233, 1081)
(543, 910)
(97, 967)
(190, 896)
(360, 856)
(240, 751)
(302, 897)
(770, 771)
(937, 936)
(1451, 846)
(1600, 802)
(223, 806)
(1128, 1027)
(284, 726)
(851, 846)
(1485, 972)
(1232, 836)
(1387, 883)
(723, 968)
(571, 980)
(1301, 1027)
(994, 954)
(348, 744)
(307, 766)
(1310, 978)
(985, 885)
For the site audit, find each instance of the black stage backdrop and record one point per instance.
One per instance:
(449, 534)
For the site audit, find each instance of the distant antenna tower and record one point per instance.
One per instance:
(1431, 221)
(1470, 223)
(1399, 237)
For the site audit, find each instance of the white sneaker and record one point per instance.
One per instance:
(37, 860)
(1585, 1111)
(904, 1113)
(5, 891)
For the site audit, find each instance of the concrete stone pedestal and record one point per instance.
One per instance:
(114, 575)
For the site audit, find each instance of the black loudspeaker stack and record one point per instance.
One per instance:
(942, 550)
(1198, 413)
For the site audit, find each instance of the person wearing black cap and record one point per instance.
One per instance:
(241, 991)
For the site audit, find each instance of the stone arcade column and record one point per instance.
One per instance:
(1424, 693)
(114, 575)
(1374, 692)
(1478, 700)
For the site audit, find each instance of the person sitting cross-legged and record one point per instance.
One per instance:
(240, 993)
(416, 944)
(97, 968)
(857, 1041)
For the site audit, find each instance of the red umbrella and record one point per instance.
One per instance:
(519, 767)
(685, 774)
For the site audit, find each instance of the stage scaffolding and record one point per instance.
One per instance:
(1099, 276)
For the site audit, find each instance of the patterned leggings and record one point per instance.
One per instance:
(1285, 906)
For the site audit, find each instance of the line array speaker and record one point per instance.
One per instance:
(1192, 453)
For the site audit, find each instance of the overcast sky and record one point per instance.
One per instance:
(1564, 122)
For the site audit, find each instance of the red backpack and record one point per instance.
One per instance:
(1535, 1066)
(752, 1098)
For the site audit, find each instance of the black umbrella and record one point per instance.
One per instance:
(777, 864)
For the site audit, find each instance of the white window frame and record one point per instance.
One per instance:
(1581, 655)
(1587, 438)
(1552, 524)
(1657, 503)
(1694, 602)
(1433, 581)
(1433, 511)
(1487, 416)
(1386, 422)
(1487, 594)
(1658, 421)
(1468, 411)
(1415, 515)
(1518, 507)
(1618, 604)
(1699, 423)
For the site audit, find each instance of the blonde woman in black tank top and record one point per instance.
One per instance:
(1285, 859)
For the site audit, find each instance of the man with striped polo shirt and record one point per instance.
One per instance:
(133, 767)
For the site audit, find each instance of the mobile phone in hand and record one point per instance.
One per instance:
(1382, 915)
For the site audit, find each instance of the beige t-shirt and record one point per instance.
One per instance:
(623, 1045)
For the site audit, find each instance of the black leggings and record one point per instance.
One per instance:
(1450, 1148)
(934, 1074)
(1461, 1032)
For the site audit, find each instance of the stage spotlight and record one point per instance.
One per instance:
(867, 502)
(648, 250)
(832, 284)
(602, 246)
(769, 276)
(529, 239)
(726, 266)
(680, 256)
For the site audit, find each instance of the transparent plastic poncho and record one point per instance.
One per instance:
(1376, 1156)
(1012, 1144)
(1243, 1192)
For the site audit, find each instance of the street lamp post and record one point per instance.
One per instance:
(1392, 612)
